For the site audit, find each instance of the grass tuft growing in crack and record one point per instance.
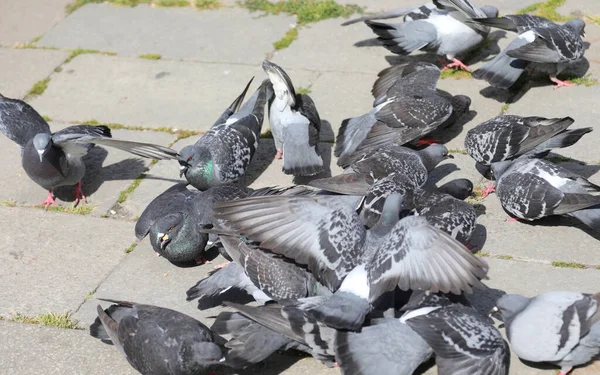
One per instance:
(560, 264)
(172, 3)
(208, 4)
(307, 11)
(39, 87)
(130, 189)
(81, 209)
(586, 80)
(546, 9)
(81, 51)
(59, 320)
(130, 248)
(455, 73)
(505, 257)
(287, 39)
(150, 56)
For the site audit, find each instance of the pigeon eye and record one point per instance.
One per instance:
(171, 228)
(189, 159)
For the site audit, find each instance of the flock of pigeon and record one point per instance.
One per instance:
(369, 270)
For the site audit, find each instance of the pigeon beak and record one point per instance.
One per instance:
(495, 313)
(41, 154)
(163, 239)
(182, 170)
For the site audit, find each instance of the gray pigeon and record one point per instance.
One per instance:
(530, 189)
(444, 30)
(295, 124)
(550, 46)
(410, 109)
(364, 168)
(464, 341)
(222, 154)
(559, 327)
(55, 159)
(156, 340)
(359, 265)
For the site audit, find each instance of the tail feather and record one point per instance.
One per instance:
(380, 16)
(404, 38)
(255, 106)
(342, 311)
(347, 183)
(235, 106)
(106, 328)
(218, 282)
(589, 216)
(352, 133)
(145, 150)
(301, 159)
(503, 71)
(565, 139)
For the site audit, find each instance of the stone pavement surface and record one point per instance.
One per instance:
(62, 261)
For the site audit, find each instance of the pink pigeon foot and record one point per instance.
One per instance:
(470, 247)
(512, 219)
(202, 260)
(491, 188)
(219, 266)
(49, 200)
(279, 154)
(560, 83)
(456, 64)
(566, 371)
(158, 254)
(427, 141)
(78, 193)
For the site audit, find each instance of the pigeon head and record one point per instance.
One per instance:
(461, 103)
(510, 305)
(201, 354)
(576, 25)
(42, 143)
(282, 84)
(485, 170)
(499, 168)
(490, 11)
(186, 157)
(461, 188)
(433, 155)
(166, 230)
(198, 166)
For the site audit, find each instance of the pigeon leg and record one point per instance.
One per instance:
(512, 219)
(470, 247)
(202, 260)
(565, 370)
(279, 154)
(427, 141)
(487, 191)
(78, 193)
(456, 64)
(560, 83)
(219, 266)
(49, 200)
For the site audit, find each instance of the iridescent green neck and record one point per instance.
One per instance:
(208, 169)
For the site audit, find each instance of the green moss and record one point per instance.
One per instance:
(546, 9)
(558, 159)
(92, 122)
(182, 134)
(58, 69)
(130, 248)
(172, 3)
(504, 108)
(268, 134)
(131, 188)
(208, 4)
(82, 51)
(303, 90)
(586, 80)
(90, 294)
(287, 39)
(81, 209)
(505, 257)
(36, 39)
(62, 320)
(47, 118)
(455, 73)
(482, 254)
(461, 151)
(307, 11)
(150, 56)
(568, 265)
(39, 87)
(9, 203)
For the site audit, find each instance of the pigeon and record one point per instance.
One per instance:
(444, 30)
(156, 340)
(410, 109)
(464, 341)
(55, 159)
(530, 188)
(507, 137)
(559, 327)
(550, 46)
(295, 124)
(359, 265)
(363, 169)
(409, 14)
(222, 155)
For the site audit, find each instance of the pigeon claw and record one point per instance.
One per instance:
(78, 193)
(511, 219)
(219, 266)
(565, 371)
(456, 64)
(560, 83)
(427, 141)
(49, 200)
(279, 154)
(487, 191)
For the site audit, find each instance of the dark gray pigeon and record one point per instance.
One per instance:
(465, 342)
(530, 189)
(222, 154)
(156, 340)
(55, 159)
(364, 168)
(295, 124)
(550, 46)
(559, 327)
(359, 265)
(410, 109)
(443, 30)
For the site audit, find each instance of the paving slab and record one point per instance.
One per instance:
(133, 91)
(109, 171)
(20, 69)
(511, 6)
(25, 20)
(579, 8)
(179, 33)
(51, 262)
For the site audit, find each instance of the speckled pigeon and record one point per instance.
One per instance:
(552, 47)
(295, 124)
(464, 341)
(55, 159)
(531, 188)
(410, 109)
(443, 30)
(359, 265)
(559, 327)
(156, 340)
(222, 154)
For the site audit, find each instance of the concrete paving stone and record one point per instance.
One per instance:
(180, 33)
(510, 6)
(373, 6)
(109, 171)
(52, 265)
(20, 69)
(580, 8)
(578, 102)
(25, 20)
(188, 94)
